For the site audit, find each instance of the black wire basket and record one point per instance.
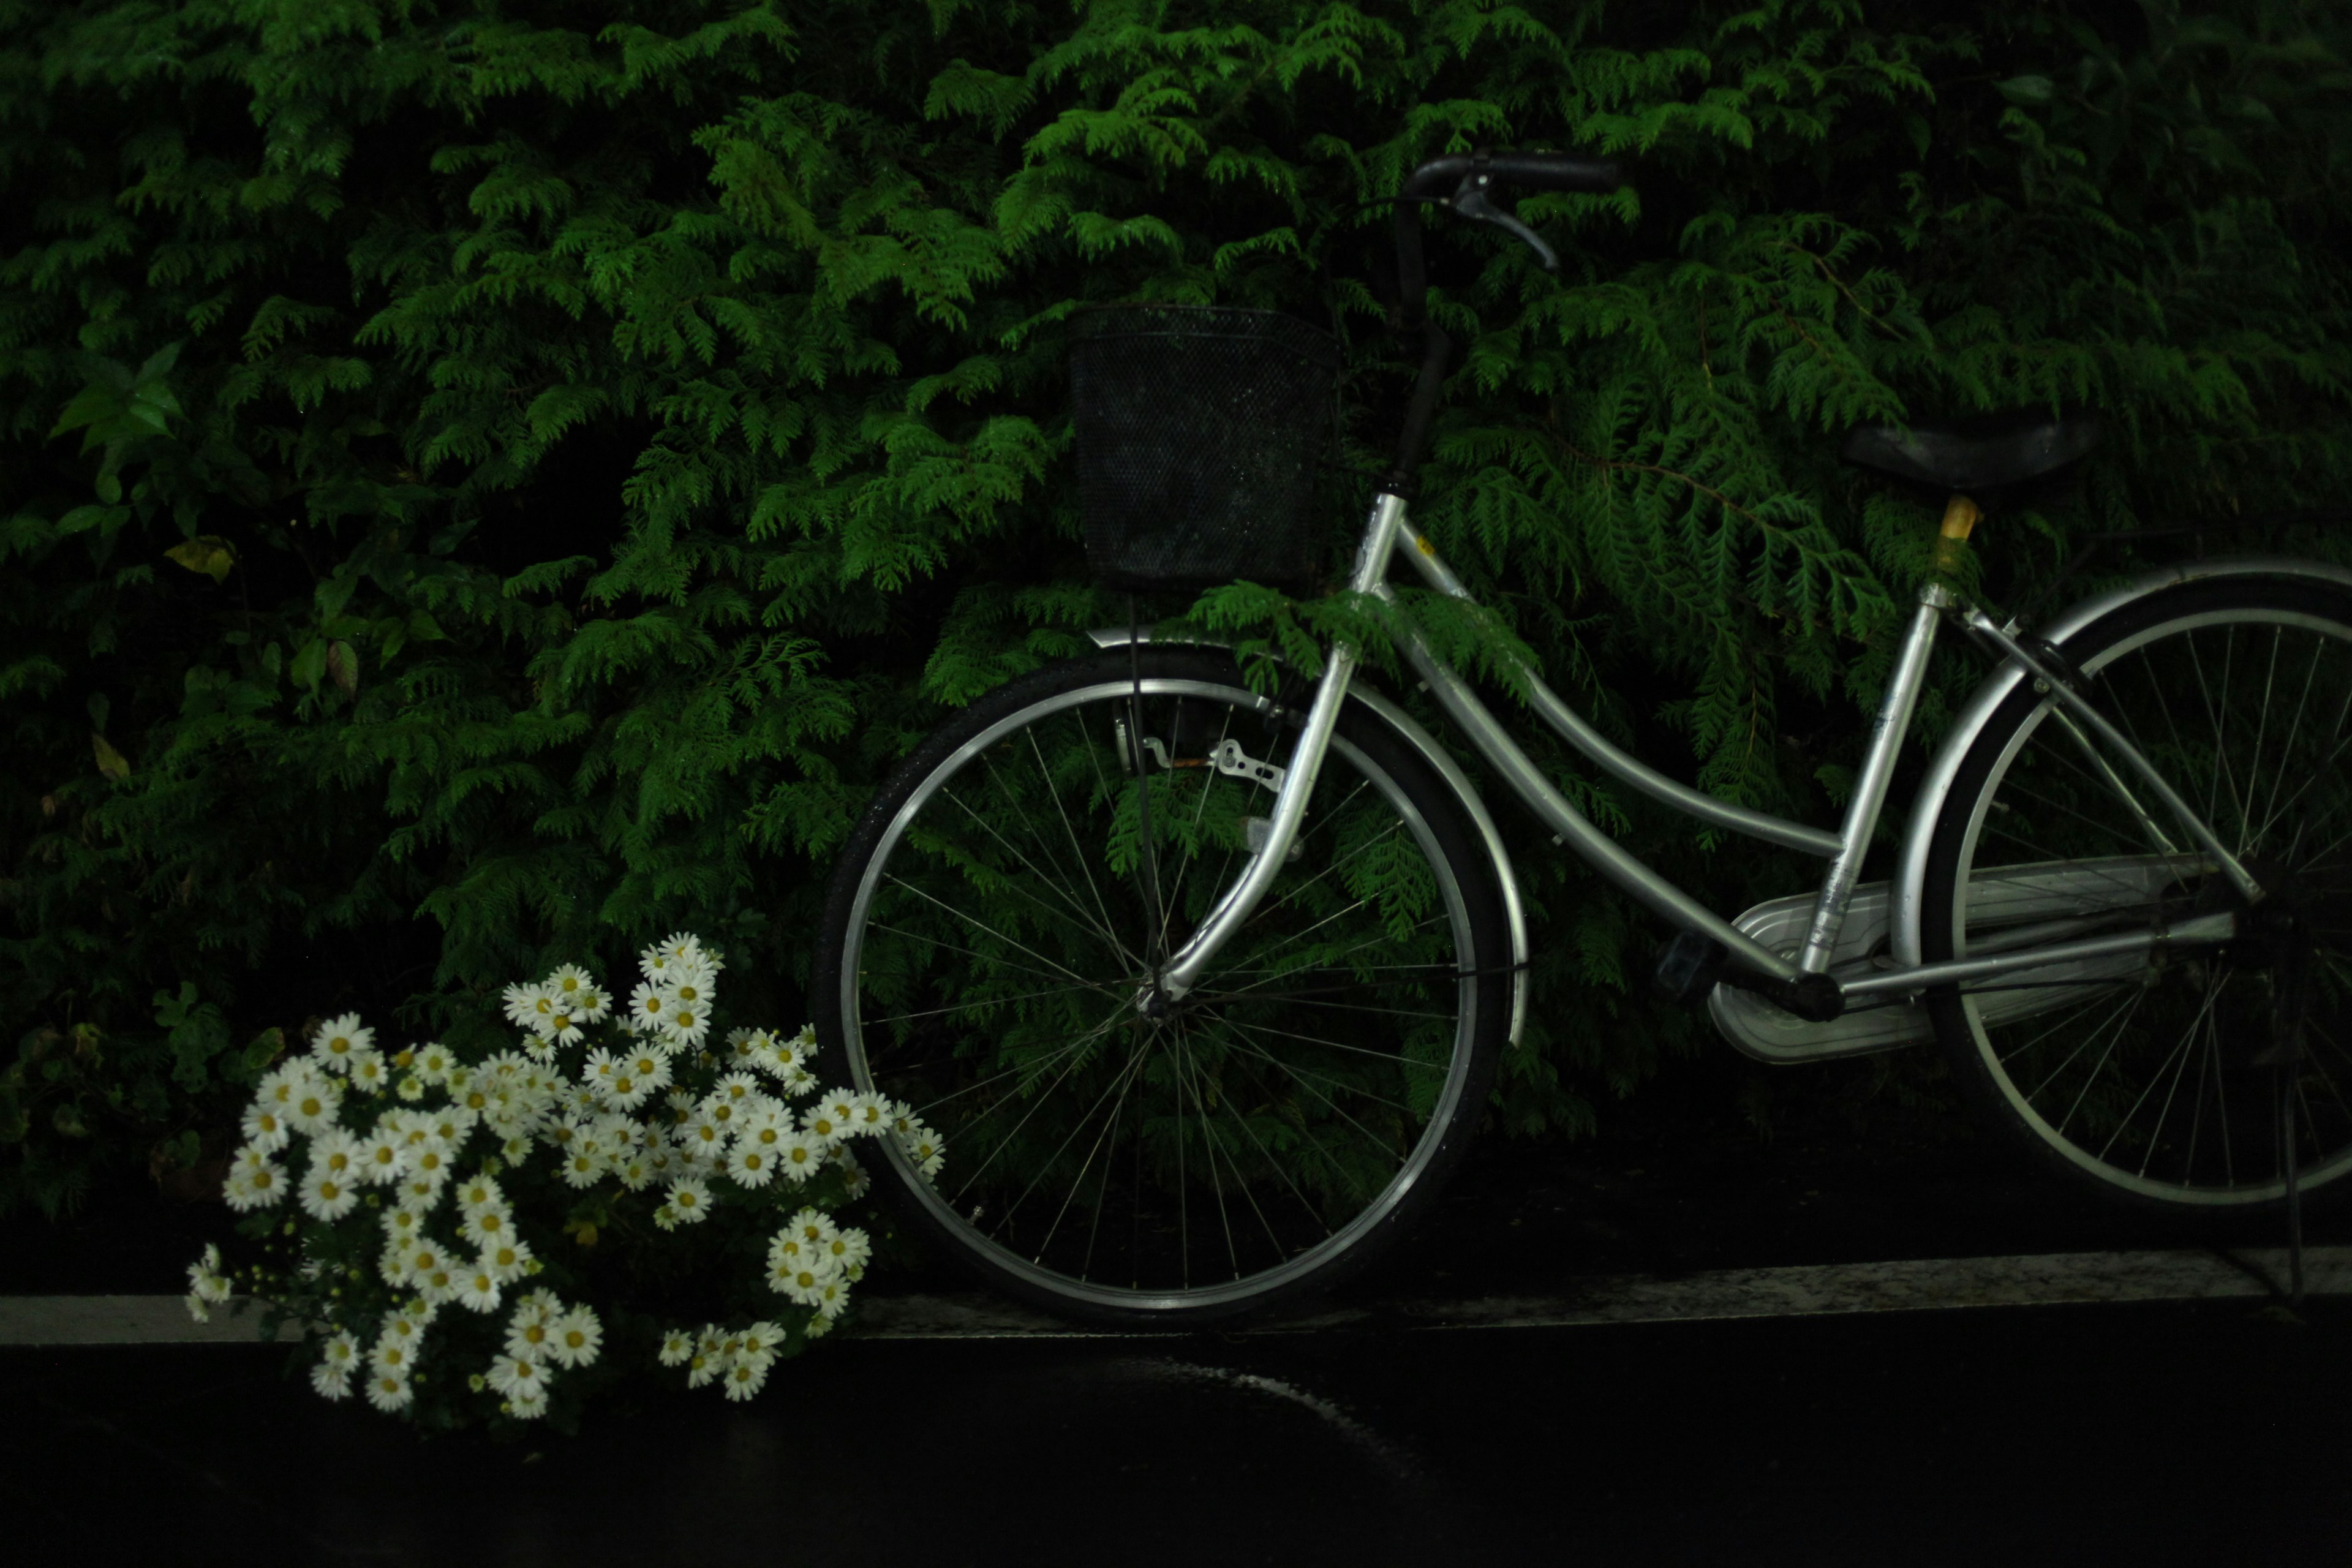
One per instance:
(1198, 431)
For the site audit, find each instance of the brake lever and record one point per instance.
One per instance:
(1470, 200)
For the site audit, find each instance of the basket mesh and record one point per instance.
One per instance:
(1198, 434)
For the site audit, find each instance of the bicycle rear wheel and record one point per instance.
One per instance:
(2154, 1077)
(991, 931)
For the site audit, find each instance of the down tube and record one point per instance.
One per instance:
(1527, 780)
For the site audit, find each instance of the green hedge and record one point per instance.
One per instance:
(490, 481)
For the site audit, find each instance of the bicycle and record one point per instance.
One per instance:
(1205, 987)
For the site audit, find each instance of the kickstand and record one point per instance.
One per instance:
(2284, 1077)
(2285, 1059)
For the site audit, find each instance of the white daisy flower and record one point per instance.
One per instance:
(690, 1199)
(336, 1152)
(813, 1225)
(841, 1104)
(339, 1358)
(479, 1192)
(329, 1195)
(561, 1025)
(869, 1115)
(687, 985)
(802, 1281)
(570, 984)
(276, 1089)
(635, 1173)
(531, 1331)
(389, 1391)
(779, 1059)
(684, 1024)
(438, 1284)
(515, 1150)
(902, 1117)
(576, 1337)
(383, 1155)
(854, 1179)
(647, 1006)
(338, 1040)
(257, 1183)
(833, 1297)
(433, 1062)
(676, 1348)
(527, 1403)
(408, 1324)
(512, 1374)
(521, 1000)
(423, 1257)
(479, 1289)
(507, 1261)
(703, 1364)
(740, 1090)
(488, 1225)
(402, 1228)
(749, 1374)
(265, 1126)
(311, 1109)
(208, 1286)
(803, 1156)
(822, 1124)
(704, 1137)
(848, 1249)
(752, 1165)
(745, 1047)
(925, 1149)
(369, 1072)
(420, 1188)
(393, 1354)
(595, 1005)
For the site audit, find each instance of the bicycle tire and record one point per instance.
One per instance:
(1289, 1120)
(2146, 1076)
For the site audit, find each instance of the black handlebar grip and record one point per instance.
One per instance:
(1555, 172)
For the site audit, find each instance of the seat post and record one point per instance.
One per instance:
(1961, 516)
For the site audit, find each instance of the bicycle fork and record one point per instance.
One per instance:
(1182, 971)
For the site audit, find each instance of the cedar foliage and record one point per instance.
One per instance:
(487, 480)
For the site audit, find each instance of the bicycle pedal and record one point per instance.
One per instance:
(1689, 966)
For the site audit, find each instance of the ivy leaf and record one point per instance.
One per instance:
(2027, 92)
(343, 665)
(112, 764)
(207, 552)
(309, 664)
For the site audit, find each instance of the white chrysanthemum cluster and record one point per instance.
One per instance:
(736, 1359)
(208, 1286)
(425, 1174)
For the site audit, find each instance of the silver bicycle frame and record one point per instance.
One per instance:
(1387, 533)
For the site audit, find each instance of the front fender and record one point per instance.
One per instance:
(1911, 861)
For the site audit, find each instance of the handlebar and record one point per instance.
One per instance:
(1532, 171)
(1462, 182)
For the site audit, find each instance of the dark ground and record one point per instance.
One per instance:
(2143, 1434)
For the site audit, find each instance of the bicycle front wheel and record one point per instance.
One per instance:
(990, 928)
(2157, 1076)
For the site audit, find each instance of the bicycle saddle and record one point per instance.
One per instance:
(1982, 452)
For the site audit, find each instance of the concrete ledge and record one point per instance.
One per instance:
(1807, 1291)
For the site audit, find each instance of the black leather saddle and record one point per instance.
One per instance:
(1984, 452)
